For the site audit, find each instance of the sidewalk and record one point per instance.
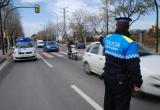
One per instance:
(4, 57)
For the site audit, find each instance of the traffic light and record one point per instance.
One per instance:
(37, 8)
(154, 28)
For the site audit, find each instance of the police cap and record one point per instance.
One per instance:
(123, 19)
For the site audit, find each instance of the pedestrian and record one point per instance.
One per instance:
(122, 72)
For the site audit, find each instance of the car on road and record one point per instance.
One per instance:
(24, 49)
(40, 43)
(51, 46)
(94, 61)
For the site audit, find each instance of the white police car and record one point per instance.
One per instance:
(24, 49)
(94, 61)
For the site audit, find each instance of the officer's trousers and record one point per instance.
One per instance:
(117, 97)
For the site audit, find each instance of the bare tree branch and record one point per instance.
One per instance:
(4, 3)
(130, 8)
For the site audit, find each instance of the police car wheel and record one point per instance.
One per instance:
(87, 69)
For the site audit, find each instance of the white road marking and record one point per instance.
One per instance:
(87, 98)
(56, 54)
(63, 53)
(38, 56)
(46, 61)
(48, 55)
(3, 65)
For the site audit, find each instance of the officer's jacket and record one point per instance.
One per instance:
(122, 57)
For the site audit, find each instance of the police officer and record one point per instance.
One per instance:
(122, 69)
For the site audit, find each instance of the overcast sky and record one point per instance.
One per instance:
(50, 9)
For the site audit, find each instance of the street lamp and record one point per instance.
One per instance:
(157, 27)
(37, 10)
(107, 16)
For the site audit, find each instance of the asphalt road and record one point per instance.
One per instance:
(56, 83)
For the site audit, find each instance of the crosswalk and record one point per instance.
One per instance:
(61, 54)
(52, 55)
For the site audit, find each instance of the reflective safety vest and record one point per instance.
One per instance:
(120, 46)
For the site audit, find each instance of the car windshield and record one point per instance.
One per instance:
(143, 51)
(24, 45)
(50, 43)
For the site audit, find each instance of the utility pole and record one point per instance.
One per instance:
(64, 24)
(106, 16)
(57, 29)
(64, 20)
(157, 27)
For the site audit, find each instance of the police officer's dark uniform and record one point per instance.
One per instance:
(122, 69)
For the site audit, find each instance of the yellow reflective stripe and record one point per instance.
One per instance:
(127, 39)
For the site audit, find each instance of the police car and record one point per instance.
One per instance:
(94, 61)
(24, 49)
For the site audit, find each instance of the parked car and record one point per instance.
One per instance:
(40, 43)
(50, 46)
(94, 61)
(80, 45)
(24, 49)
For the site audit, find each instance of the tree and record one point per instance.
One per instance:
(95, 23)
(78, 23)
(49, 32)
(130, 8)
(13, 24)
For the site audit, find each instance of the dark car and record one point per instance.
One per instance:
(80, 45)
(51, 46)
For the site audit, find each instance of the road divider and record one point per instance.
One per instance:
(87, 98)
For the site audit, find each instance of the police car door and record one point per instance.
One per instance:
(95, 58)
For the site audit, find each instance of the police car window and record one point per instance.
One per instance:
(95, 49)
(89, 48)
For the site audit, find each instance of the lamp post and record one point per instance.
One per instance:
(157, 27)
(107, 16)
(57, 30)
(37, 10)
